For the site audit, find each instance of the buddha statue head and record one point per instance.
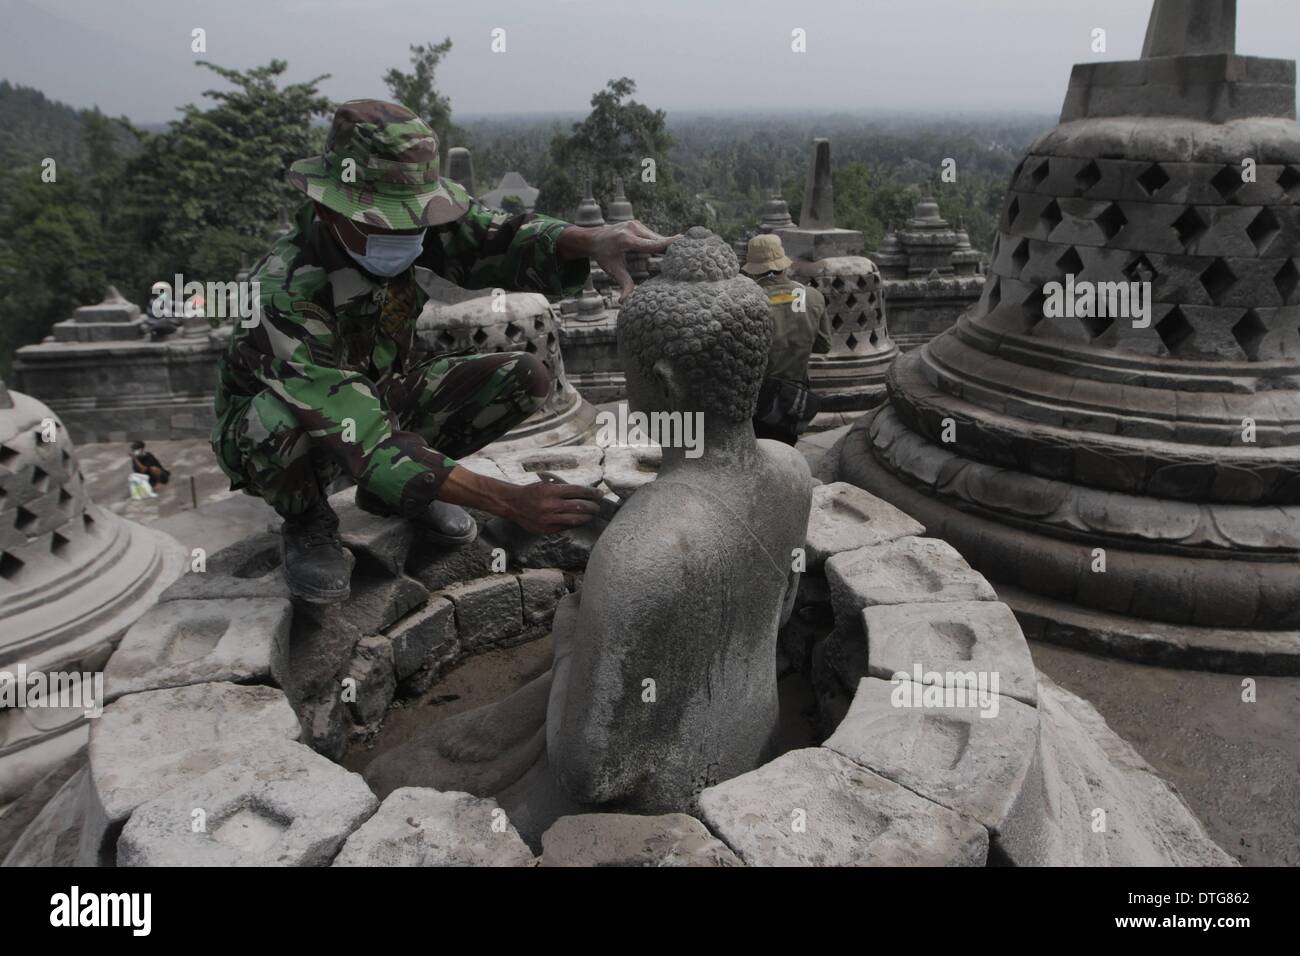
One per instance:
(695, 337)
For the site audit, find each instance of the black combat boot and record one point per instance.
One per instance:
(441, 522)
(316, 565)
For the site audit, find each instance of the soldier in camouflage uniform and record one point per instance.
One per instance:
(800, 327)
(329, 380)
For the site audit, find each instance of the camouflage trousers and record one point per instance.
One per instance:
(457, 404)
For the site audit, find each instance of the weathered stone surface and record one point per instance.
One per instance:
(436, 567)
(628, 467)
(845, 518)
(947, 638)
(384, 540)
(573, 464)
(488, 610)
(418, 826)
(423, 638)
(149, 742)
(1086, 767)
(248, 569)
(189, 642)
(979, 760)
(569, 550)
(621, 839)
(278, 805)
(53, 837)
(325, 637)
(906, 571)
(541, 590)
(483, 465)
(372, 671)
(815, 807)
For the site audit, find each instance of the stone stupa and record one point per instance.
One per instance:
(851, 377)
(931, 275)
(73, 578)
(1130, 484)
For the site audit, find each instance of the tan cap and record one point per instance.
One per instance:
(765, 254)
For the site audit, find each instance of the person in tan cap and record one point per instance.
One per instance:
(800, 327)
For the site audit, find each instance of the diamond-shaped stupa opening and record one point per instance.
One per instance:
(1288, 179)
(1051, 215)
(1218, 281)
(1263, 229)
(1088, 176)
(1069, 262)
(1227, 181)
(1020, 256)
(10, 566)
(1190, 226)
(1249, 333)
(1040, 172)
(1153, 179)
(1112, 220)
(1286, 280)
(1013, 211)
(1174, 330)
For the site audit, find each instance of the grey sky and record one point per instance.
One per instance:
(133, 56)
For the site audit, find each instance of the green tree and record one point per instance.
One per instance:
(416, 90)
(615, 141)
(210, 189)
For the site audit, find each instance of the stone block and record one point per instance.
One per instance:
(951, 638)
(384, 540)
(279, 805)
(845, 518)
(906, 571)
(418, 826)
(423, 638)
(436, 567)
(622, 839)
(248, 569)
(815, 807)
(628, 467)
(147, 743)
(980, 761)
(191, 642)
(375, 682)
(541, 590)
(569, 549)
(574, 464)
(488, 611)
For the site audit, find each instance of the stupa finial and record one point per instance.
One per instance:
(1191, 28)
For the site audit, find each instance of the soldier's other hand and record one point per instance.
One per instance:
(548, 506)
(609, 247)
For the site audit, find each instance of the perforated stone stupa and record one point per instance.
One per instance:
(527, 323)
(1129, 486)
(851, 377)
(73, 578)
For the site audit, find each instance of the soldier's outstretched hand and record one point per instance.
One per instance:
(608, 247)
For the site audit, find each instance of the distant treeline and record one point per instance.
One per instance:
(127, 204)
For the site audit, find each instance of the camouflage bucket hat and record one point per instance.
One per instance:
(380, 167)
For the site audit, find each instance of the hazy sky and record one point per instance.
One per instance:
(133, 56)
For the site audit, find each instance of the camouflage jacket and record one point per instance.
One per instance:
(796, 334)
(328, 334)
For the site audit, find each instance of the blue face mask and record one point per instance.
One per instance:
(388, 255)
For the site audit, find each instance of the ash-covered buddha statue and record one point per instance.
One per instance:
(664, 679)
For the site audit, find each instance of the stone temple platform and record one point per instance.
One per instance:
(73, 578)
(299, 690)
(1130, 483)
(108, 381)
